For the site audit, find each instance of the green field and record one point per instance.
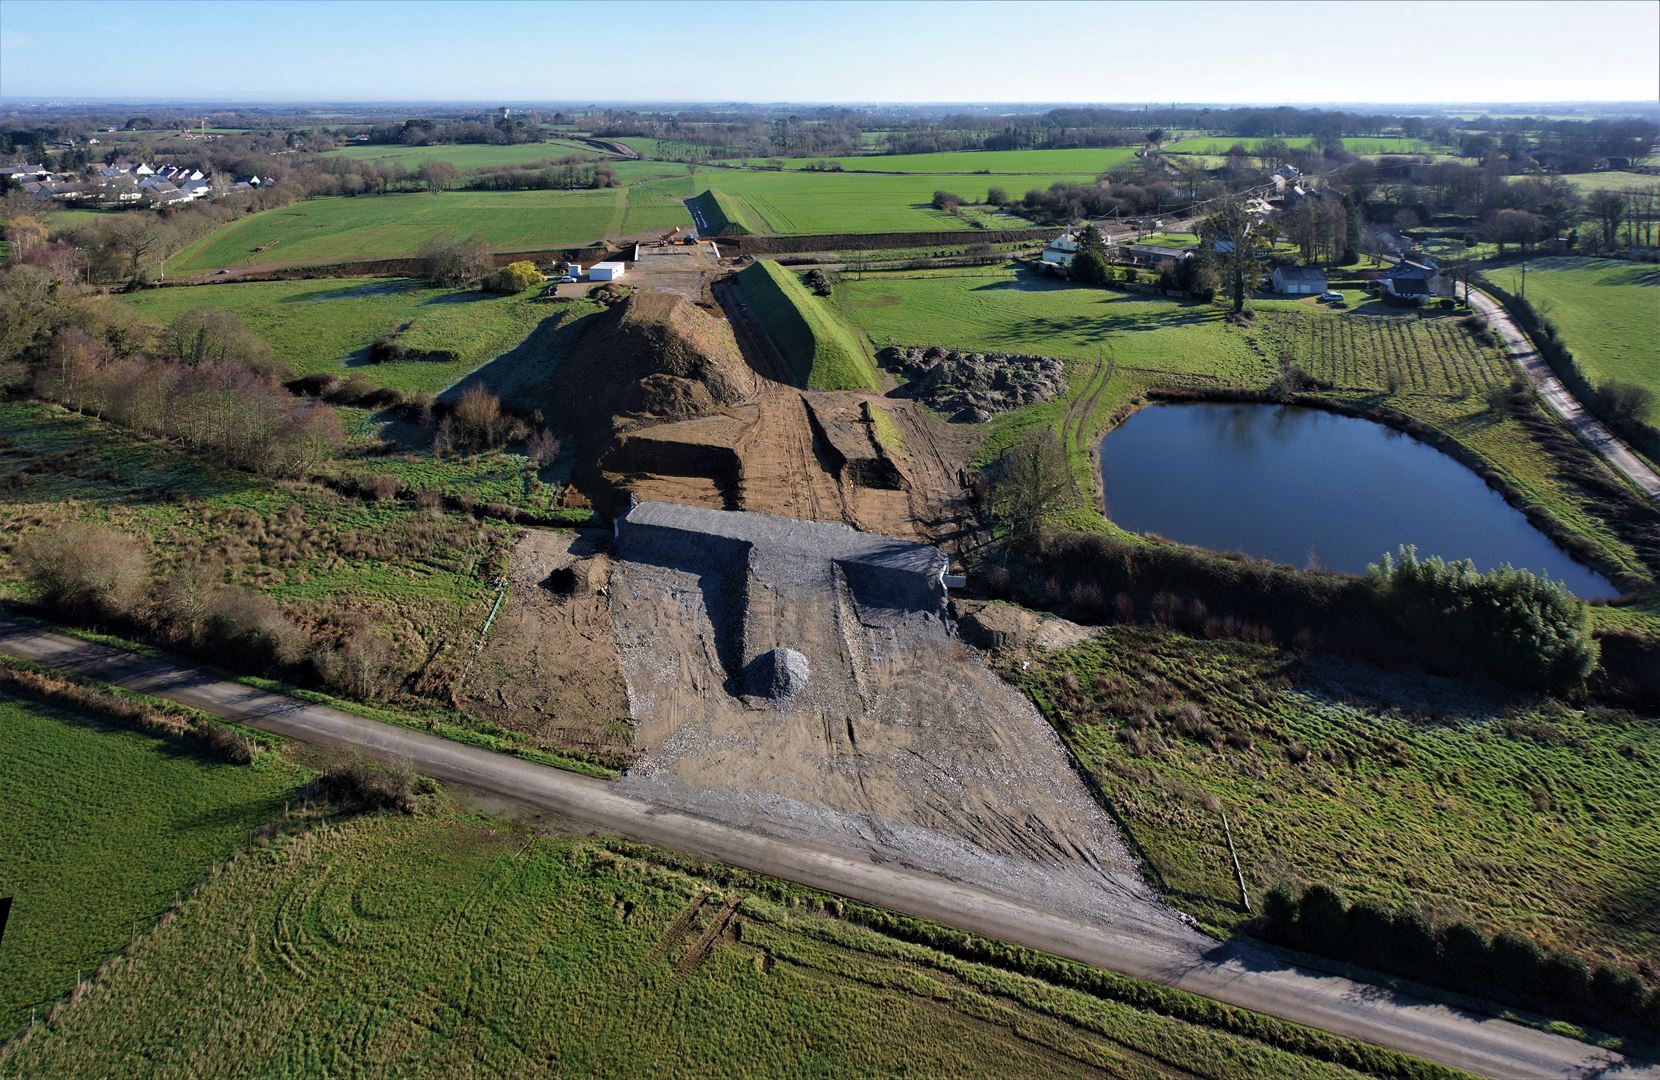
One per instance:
(103, 827)
(1416, 792)
(1366, 144)
(468, 157)
(1608, 312)
(347, 229)
(1612, 181)
(815, 203)
(327, 324)
(447, 947)
(1016, 163)
(824, 351)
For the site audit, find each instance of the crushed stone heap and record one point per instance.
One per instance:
(778, 674)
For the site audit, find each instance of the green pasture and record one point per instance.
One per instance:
(349, 229)
(1417, 792)
(1608, 312)
(327, 324)
(997, 162)
(442, 945)
(1365, 144)
(103, 828)
(794, 202)
(1612, 181)
(469, 156)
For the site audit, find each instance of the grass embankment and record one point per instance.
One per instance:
(722, 214)
(425, 944)
(327, 324)
(825, 353)
(1416, 792)
(103, 828)
(1607, 311)
(1430, 369)
(366, 227)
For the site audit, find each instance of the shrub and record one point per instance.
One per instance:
(361, 784)
(515, 277)
(446, 260)
(1370, 930)
(1414, 948)
(1626, 403)
(1515, 627)
(1518, 965)
(1466, 957)
(1279, 911)
(947, 201)
(1566, 978)
(357, 665)
(249, 629)
(86, 569)
(479, 424)
(1323, 921)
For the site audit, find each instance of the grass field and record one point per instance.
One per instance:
(1612, 181)
(810, 203)
(1014, 163)
(327, 324)
(439, 946)
(468, 157)
(1371, 144)
(1414, 791)
(825, 352)
(344, 229)
(102, 828)
(1608, 312)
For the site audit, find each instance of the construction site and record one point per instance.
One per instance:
(764, 638)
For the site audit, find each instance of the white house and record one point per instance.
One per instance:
(1298, 280)
(1062, 250)
(607, 271)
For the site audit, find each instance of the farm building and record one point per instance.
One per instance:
(1153, 255)
(1298, 280)
(607, 271)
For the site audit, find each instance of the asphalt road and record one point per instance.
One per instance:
(1563, 403)
(1230, 972)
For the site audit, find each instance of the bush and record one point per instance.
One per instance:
(248, 629)
(446, 260)
(86, 570)
(1323, 921)
(1466, 955)
(947, 201)
(361, 784)
(1626, 404)
(1513, 626)
(357, 666)
(515, 277)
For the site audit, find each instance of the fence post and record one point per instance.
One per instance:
(1238, 875)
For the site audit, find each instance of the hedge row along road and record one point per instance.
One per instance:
(1561, 401)
(1233, 972)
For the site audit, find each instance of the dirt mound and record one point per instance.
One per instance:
(655, 357)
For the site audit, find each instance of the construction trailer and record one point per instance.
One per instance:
(607, 271)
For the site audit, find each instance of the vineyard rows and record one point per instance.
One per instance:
(1427, 356)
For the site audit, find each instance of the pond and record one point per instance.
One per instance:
(1302, 486)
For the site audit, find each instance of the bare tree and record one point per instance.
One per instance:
(1032, 481)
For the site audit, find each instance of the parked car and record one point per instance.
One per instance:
(1331, 296)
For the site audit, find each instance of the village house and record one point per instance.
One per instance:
(1412, 281)
(1061, 251)
(1155, 256)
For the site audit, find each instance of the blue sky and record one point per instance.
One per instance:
(852, 50)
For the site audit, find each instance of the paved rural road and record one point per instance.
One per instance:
(1587, 427)
(1233, 973)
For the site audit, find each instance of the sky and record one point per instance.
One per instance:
(599, 51)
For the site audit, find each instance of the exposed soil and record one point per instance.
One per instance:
(549, 667)
(902, 742)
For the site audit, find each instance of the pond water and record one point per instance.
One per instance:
(1297, 485)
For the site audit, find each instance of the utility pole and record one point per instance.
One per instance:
(1524, 279)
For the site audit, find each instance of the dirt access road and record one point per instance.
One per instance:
(1235, 973)
(1561, 401)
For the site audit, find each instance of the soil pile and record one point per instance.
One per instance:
(974, 387)
(653, 358)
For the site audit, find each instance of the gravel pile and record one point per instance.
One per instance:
(973, 387)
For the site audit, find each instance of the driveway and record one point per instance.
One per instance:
(1563, 403)
(1159, 951)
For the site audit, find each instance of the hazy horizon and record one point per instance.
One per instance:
(1290, 52)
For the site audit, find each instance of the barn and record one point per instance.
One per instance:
(1299, 280)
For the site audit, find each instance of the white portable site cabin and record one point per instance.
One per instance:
(607, 271)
